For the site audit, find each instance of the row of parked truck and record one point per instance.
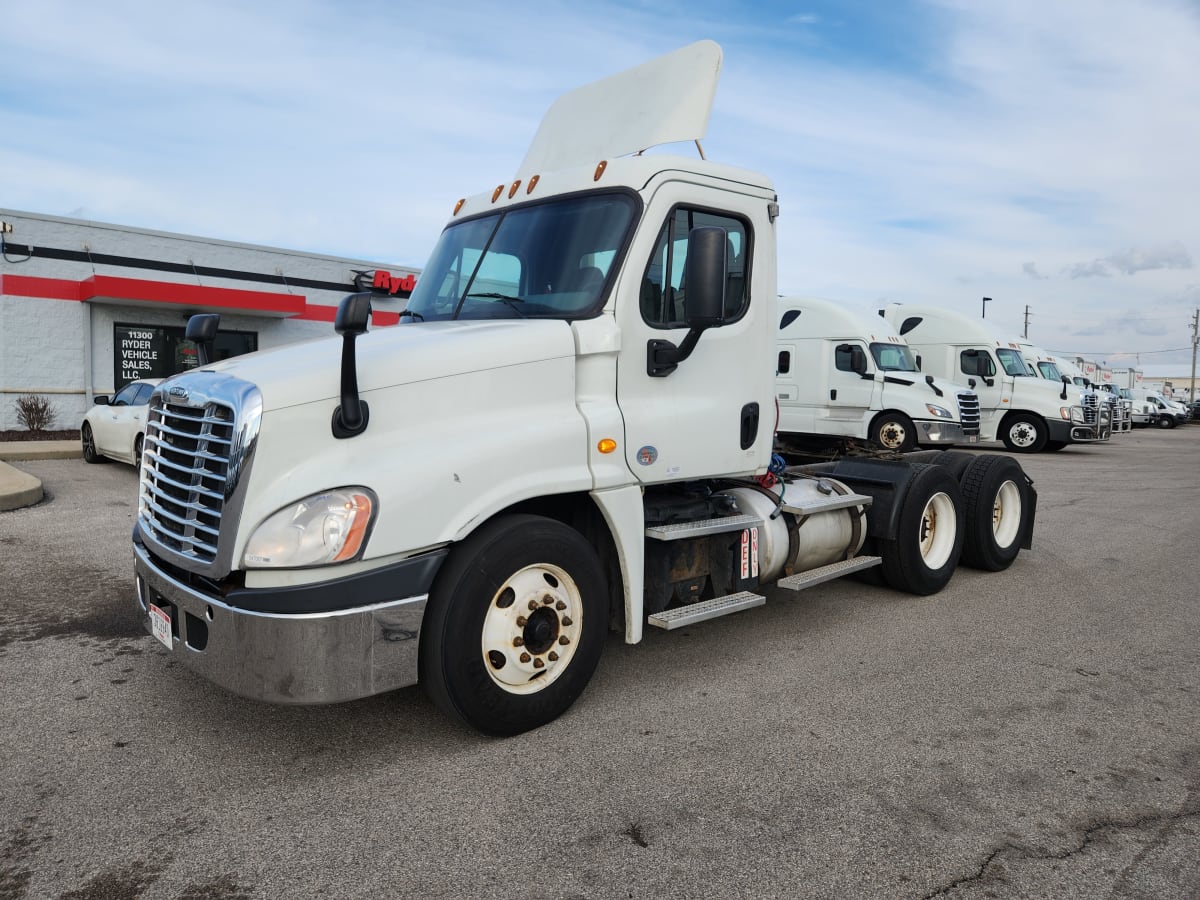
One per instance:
(921, 376)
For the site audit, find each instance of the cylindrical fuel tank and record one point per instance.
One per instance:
(786, 543)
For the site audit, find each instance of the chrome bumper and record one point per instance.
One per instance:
(943, 433)
(322, 657)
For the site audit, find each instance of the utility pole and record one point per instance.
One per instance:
(986, 301)
(1195, 341)
(1026, 335)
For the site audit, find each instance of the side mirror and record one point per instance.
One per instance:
(202, 331)
(704, 274)
(101, 400)
(351, 417)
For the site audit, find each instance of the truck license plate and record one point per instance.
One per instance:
(160, 624)
(972, 438)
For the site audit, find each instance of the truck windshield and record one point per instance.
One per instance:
(894, 357)
(1013, 361)
(1049, 370)
(545, 260)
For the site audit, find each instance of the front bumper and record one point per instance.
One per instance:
(1080, 433)
(935, 432)
(309, 657)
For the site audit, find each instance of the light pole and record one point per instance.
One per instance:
(986, 301)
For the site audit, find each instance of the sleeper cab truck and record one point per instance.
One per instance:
(1027, 413)
(842, 374)
(571, 432)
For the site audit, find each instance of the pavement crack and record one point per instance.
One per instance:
(1016, 852)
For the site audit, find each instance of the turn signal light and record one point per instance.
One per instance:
(606, 445)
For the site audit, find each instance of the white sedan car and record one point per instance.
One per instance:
(115, 427)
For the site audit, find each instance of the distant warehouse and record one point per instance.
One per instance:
(87, 307)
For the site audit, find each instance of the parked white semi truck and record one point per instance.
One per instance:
(842, 374)
(572, 432)
(1027, 413)
(1057, 368)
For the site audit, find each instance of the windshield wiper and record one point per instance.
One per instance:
(412, 312)
(507, 299)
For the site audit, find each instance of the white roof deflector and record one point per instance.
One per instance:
(662, 101)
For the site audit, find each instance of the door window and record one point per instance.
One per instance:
(664, 291)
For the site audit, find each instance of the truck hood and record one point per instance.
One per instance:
(396, 355)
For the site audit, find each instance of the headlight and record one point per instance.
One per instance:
(938, 413)
(329, 527)
(1072, 414)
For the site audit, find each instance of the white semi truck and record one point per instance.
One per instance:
(1056, 368)
(842, 374)
(1027, 413)
(571, 432)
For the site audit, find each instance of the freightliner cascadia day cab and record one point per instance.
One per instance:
(1027, 413)
(571, 431)
(842, 374)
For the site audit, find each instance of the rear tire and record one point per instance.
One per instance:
(1023, 433)
(998, 507)
(894, 431)
(929, 540)
(515, 626)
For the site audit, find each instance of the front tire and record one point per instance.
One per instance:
(1166, 421)
(515, 626)
(894, 431)
(928, 543)
(998, 506)
(1024, 433)
(90, 453)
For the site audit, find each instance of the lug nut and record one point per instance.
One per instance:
(518, 641)
(560, 606)
(525, 657)
(566, 620)
(548, 599)
(552, 656)
(563, 639)
(521, 620)
(538, 664)
(533, 604)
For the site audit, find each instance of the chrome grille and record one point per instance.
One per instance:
(1091, 406)
(185, 475)
(968, 411)
(201, 433)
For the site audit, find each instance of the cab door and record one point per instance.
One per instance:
(979, 370)
(714, 413)
(852, 384)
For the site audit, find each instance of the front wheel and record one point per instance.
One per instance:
(928, 543)
(1023, 433)
(515, 625)
(90, 453)
(894, 431)
(1166, 421)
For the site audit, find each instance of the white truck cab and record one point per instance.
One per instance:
(1055, 368)
(844, 374)
(1027, 413)
(572, 430)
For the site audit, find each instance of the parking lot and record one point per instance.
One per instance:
(1029, 733)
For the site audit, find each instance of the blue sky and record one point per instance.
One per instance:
(1041, 154)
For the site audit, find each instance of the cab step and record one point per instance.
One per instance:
(706, 609)
(802, 580)
(827, 504)
(677, 530)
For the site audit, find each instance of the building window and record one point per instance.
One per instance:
(159, 351)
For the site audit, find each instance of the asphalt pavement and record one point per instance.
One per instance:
(1032, 733)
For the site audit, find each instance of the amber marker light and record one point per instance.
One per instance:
(512, 190)
(533, 183)
(600, 169)
(606, 445)
(497, 192)
(459, 205)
